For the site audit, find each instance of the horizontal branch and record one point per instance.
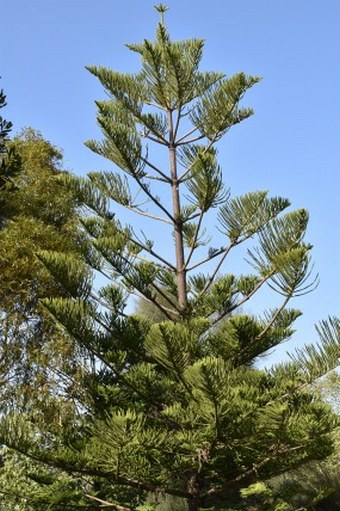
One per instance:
(145, 213)
(95, 472)
(105, 503)
(207, 259)
(191, 217)
(156, 178)
(155, 105)
(195, 139)
(253, 471)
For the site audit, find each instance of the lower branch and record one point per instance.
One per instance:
(105, 503)
(244, 299)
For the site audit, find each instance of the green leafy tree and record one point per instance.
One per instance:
(315, 486)
(176, 407)
(37, 360)
(312, 487)
(5, 126)
(24, 484)
(328, 388)
(39, 214)
(35, 213)
(145, 307)
(8, 158)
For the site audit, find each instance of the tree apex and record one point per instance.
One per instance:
(161, 8)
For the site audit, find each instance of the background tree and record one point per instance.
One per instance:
(38, 362)
(329, 389)
(8, 159)
(38, 214)
(177, 407)
(147, 308)
(315, 486)
(5, 126)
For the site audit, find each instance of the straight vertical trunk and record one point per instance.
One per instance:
(194, 504)
(178, 225)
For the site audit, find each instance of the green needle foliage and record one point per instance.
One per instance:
(176, 407)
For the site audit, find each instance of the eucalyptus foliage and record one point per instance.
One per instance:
(36, 357)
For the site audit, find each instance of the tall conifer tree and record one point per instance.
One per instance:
(177, 407)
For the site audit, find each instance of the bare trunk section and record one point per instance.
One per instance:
(196, 499)
(178, 224)
(194, 504)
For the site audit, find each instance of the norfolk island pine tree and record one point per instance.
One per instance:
(177, 406)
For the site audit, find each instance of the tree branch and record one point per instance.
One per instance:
(211, 143)
(159, 140)
(125, 277)
(72, 469)
(155, 105)
(187, 134)
(218, 266)
(193, 248)
(265, 330)
(141, 245)
(200, 137)
(161, 307)
(207, 259)
(105, 503)
(156, 178)
(177, 123)
(145, 213)
(254, 470)
(165, 297)
(273, 319)
(146, 260)
(156, 169)
(153, 198)
(245, 299)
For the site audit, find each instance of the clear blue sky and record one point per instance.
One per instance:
(290, 146)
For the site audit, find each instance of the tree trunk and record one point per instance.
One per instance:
(194, 504)
(178, 224)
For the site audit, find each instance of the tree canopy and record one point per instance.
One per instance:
(39, 215)
(175, 407)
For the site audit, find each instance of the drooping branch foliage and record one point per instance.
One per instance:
(174, 404)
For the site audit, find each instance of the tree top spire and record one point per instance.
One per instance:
(161, 8)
